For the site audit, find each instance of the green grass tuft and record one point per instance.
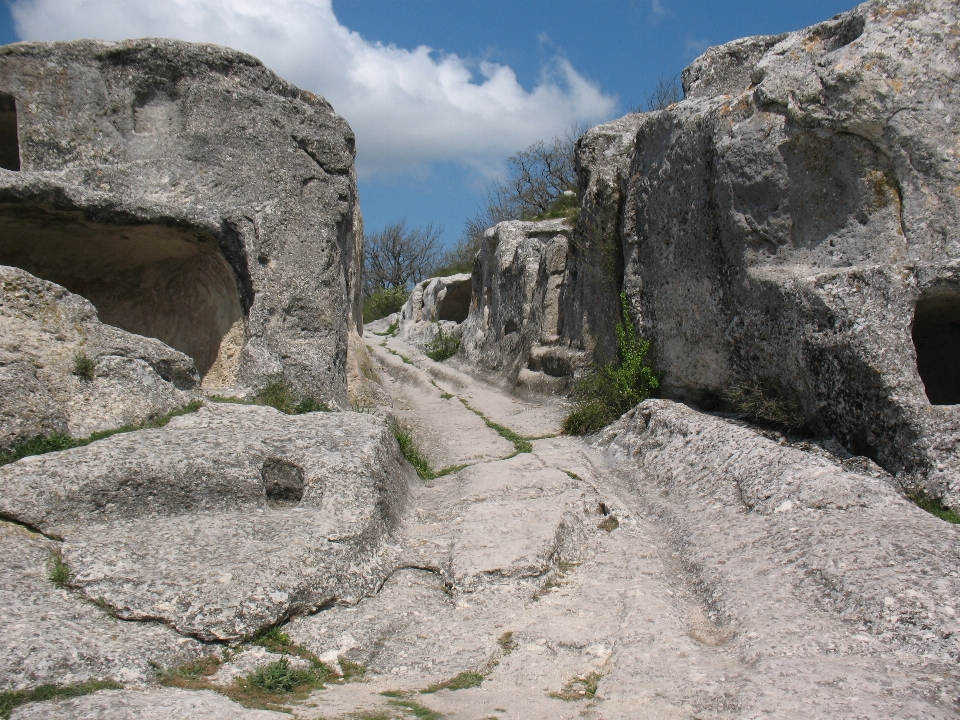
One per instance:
(416, 709)
(56, 442)
(12, 699)
(351, 671)
(59, 573)
(409, 450)
(520, 443)
(580, 688)
(767, 402)
(280, 677)
(463, 681)
(278, 395)
(604, 395)
(934, 506)
(443, 346)
(83, 366)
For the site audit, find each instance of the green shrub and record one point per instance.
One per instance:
(281, 677)
(83, 366)
(59, 573)
(565, 206)
(605, 395)
(443, 346)
(934, 506)
(384, 302)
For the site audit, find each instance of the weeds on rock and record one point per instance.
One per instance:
(766, 402)
(281, 677)
(605, 395)
(12, 699)
(58, 573)
(442, 346)
(351, 671)
(277, 394)
(83, 366)
(192, 675)
(934, 506)
(419, 711)
(409, 450)
(53, 443)
(580, 688)
(463, 681)
(507, 643)
(520, 443)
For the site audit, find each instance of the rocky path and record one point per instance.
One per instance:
(562, 584)
(542, 577)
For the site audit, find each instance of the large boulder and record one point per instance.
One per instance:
(225, 521)
(44, 331)
(790, 229)
(192, 196)
(514, 327)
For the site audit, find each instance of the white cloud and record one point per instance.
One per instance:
(407, 107)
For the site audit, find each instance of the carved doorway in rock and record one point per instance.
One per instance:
(936, 336)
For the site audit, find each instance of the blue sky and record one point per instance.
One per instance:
(441, 91)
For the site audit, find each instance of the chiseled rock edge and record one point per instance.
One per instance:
(42, 328)
(174, 524)
(850, 542)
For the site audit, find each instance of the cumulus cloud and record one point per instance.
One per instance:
(408, 107)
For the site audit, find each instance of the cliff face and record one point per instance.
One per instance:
(192, 196)
(792, 224)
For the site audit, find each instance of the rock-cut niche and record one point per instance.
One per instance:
(170, 283)
(936, 336)
(9, 141)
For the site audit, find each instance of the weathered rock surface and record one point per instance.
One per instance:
(224, 521)
(55, 636)
(793, 223)
(43, 327)
(157, 704)
(192, 196)
(515, 323)
(435, 304)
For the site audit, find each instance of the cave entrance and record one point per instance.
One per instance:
(936, 336)
(164, 282)
(455, 303)
(9, 142)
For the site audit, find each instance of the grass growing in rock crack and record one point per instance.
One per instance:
(83, 366)
(12, 699)
(408, 448)
(934, 506)
(421, 712)
(507, 643)
(580, 688)
(604, 395)
(520, 443)
(277, 394)
(58, 572)
(351, 671)
(462, 681)
(53, 443)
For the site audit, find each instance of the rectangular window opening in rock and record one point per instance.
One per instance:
(9, 141)
(936, 337)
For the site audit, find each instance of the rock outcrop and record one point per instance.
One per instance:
(44, 332)
(515, 324)
(192, 196)
(792, 224)
(435, 303)
(223, 522)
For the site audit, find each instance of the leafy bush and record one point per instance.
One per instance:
(605, 395)
(83, 366)
(443, 346)
(384, 302)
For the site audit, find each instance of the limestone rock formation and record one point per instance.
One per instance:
(223, 522)
(792, 224)
(192, 196)
(435, 303)
(44, 331)
(514, 324)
